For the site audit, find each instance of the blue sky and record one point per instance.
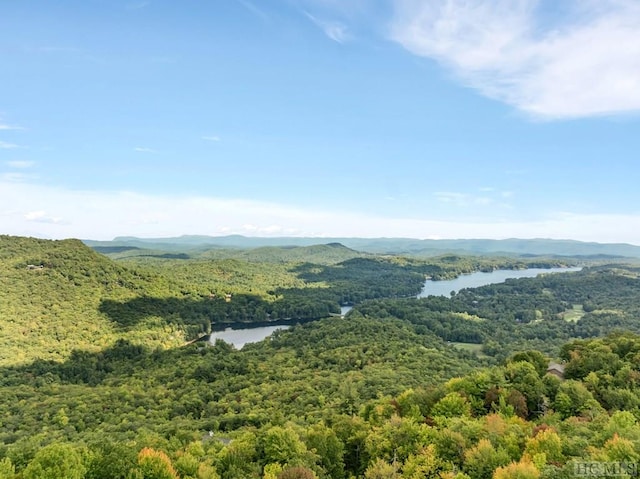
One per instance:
(396, 118)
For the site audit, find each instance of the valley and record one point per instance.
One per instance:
(100, 374)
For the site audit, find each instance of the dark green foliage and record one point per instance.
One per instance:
(535, 358)
(111, 460)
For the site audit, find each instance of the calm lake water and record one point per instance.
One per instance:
(239, 336)
(475, 280)
(345, 309)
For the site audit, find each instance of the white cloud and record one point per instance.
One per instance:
(42, 217)
(34, 215)
(351, 10)
(4, 126)
(20, 164)
(336, 31)
(8, 146)
(13, 176)
(63, 213)
(254, 9)
(141, 149)
(450, 197)
(482, 200)
(463, 200)
(586, 63)
(211, 138)
(257, 230)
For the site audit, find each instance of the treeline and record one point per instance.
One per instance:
(197, 315)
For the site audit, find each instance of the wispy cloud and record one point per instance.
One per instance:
(336, 31)
(462, 199)
(8, 146)
(61, 213)
(137, 5)
(251, 7)
(5, 126)
(211, 138)
(43, 217)
(450, 197)
(256, 230)
(142, 149)
(586, 63)
(20, 164)
(487, 197)
(14, 176)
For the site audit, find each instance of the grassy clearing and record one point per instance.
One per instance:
(471, 347)
(573, 314)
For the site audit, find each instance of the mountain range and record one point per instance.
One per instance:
(406, 246)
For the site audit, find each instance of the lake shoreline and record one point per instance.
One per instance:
(241, 333)
(478, 279)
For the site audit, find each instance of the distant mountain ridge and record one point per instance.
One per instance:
(410, 246)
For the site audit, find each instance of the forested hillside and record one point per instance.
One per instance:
(51, 293)
(318, 253)
(374, 403)
(61, 295)
(93, 385)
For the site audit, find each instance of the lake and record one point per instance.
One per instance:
(477, 279)
(345, 309)
(241, 336)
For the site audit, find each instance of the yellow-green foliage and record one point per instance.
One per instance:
(267, 421)
(519, 470)
(50, 297)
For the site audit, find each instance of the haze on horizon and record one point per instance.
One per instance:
(394, 118)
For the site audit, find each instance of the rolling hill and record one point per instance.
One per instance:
(405, 246)
(50, 297)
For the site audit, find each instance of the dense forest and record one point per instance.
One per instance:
(99, 379)
(61, 295)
